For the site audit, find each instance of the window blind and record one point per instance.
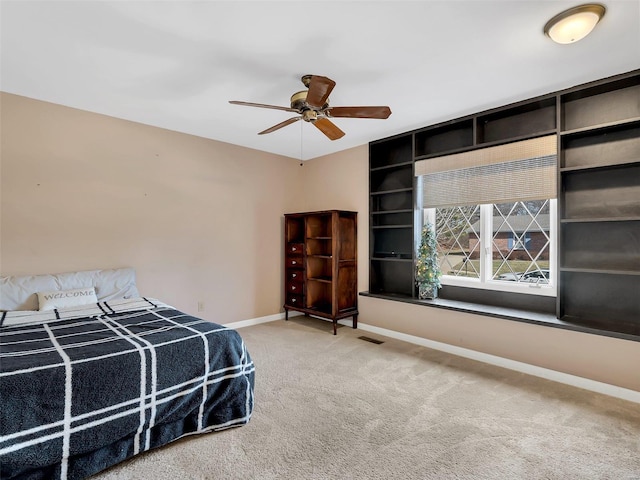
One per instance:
(517, 171)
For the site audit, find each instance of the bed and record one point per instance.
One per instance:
(86, 385)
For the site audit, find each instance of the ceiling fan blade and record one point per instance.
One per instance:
(327, 127)
(359, 112)
(262, 105)
(319, 90)
(280, 125)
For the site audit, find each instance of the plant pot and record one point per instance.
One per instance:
(427, 292)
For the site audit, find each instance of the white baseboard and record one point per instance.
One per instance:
(548, 374)
(554, 375)
(259, 320)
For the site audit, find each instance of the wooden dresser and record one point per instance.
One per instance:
(321, 270)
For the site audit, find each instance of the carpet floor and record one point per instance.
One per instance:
(339, 407)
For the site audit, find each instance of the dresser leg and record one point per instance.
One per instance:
(355, 321)
(286, 314)
(335, 327)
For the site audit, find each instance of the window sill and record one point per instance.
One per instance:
(525, 316)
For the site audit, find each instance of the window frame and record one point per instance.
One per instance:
(485, 281)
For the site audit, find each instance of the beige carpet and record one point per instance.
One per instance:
(337, 407)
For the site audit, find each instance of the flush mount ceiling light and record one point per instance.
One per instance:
(574, 24)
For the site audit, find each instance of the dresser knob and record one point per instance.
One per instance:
(293, 300)
(293, 287)
(294, 275)
(293, 249)
(293, 262)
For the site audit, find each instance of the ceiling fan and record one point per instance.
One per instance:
(312, 105)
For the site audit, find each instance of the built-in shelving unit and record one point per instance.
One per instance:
(598, 131)
(599, 200)
(391, 216)
(449, 137)
(522, 121)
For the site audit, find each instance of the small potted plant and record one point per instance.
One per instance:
(428, 271)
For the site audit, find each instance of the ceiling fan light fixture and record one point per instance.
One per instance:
(575, 23)
(298, 99)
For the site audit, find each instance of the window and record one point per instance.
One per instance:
(526, 254)
(458, 237)
(506, 246)
(494, 212)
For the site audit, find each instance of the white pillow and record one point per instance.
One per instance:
(66, 298)
(19, 292)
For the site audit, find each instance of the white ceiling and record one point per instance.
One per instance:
(176, 64)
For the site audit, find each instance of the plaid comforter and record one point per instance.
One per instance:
(82, 389)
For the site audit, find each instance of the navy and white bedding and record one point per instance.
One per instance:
(84, 388)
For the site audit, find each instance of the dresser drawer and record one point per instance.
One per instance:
(294, 300)
(295, 287)
(292, 275)
(295, 248)
(293, 262)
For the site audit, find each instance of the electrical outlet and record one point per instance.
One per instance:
(201, 306)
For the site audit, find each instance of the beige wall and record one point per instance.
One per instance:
(202, 221)
(335, 182)
(341, 181)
